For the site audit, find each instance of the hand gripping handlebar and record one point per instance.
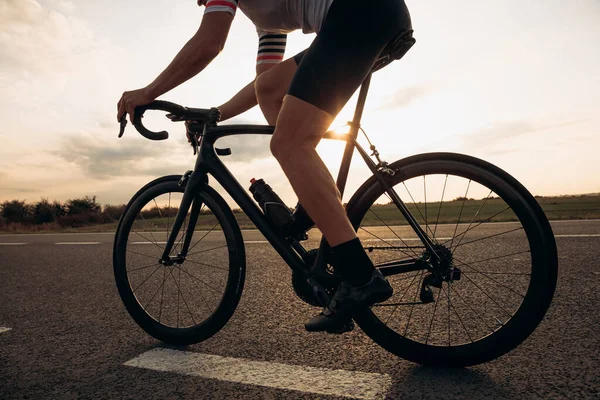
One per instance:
(176, 113)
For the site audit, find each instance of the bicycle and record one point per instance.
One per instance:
(428, 271)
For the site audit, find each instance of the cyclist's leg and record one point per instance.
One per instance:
(336, 63)
(353, 35)
(272, 85)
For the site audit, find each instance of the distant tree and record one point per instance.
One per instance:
(83, 205)
(15, 211)
(113, 212)
(43, 212)
(59, 209)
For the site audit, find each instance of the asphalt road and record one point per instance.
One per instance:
(64, 333)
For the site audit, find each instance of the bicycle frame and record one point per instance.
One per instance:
(208, 162)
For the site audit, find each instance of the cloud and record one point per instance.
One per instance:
(404, 97)
(247, 148)
(102, 158)
(494, 138)
(35, 39)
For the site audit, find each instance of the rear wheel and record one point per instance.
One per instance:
(498, 246)
(191, 300)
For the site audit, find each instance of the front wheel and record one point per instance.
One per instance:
(499, 251)
(192, 299)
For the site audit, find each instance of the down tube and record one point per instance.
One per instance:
(217, 169)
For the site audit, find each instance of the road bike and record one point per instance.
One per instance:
(468, 250)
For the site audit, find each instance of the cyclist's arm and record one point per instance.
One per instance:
(271, 48)
(198, 52)
(243, 100)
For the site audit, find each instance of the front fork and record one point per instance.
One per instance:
(191, 181)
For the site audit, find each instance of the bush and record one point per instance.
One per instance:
(43, 212)
(113, 213)
(15, 211)
(84, 205)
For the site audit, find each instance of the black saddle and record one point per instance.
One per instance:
(395, 50)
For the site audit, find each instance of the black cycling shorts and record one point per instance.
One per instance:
(352, 36)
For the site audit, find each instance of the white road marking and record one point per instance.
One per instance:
(356, 385)
(83, 243)
(3, 329)
(581, 235)
(255, 241)
(12, 244)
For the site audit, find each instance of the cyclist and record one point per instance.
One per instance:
(301, 96)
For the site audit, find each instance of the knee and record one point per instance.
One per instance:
(280, 148)
(266, 87)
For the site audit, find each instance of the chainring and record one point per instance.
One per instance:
(303, 290)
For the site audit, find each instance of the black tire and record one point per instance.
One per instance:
(528, 314)
(192, 291)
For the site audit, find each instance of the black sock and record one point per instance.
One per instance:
(350, 260)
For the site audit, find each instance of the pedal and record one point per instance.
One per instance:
(346, 328)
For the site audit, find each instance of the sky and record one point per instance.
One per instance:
(514, 83)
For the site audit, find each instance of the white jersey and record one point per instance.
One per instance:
(274, 19)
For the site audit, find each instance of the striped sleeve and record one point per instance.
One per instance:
(229, 6)
(271, 48)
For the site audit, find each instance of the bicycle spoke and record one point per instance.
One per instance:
(413, 307)
(433, 316)
(489, 277)
(204, 302)
(458, 316)
(148, 240)
(168, 218)
(204, 251)
(144, 267)
(155, 293)
(448, 313)
(182, 297)
(386, 242)
(460, 213)
(140, 254)
(162, 294)
(487, 237)
(440, 208)
(401, 298)
(482, 222)
(415, 204)
(475, 216)
(148, 277)
(151, 234)
(471, 308)
(395, 234)
(199, 280)
(496, 258)
(488, 296)
(425, 194)
(207, 265)
(209, 231)
(159, 213)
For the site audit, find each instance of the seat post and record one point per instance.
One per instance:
(353, 134)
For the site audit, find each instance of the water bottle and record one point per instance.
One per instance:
(271, 204)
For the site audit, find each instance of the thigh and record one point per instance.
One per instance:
(300, 123)
(353, 35)
(276, 80)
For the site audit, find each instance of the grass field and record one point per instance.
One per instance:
(556, 208)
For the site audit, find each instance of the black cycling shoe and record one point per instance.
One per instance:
(347, 302)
